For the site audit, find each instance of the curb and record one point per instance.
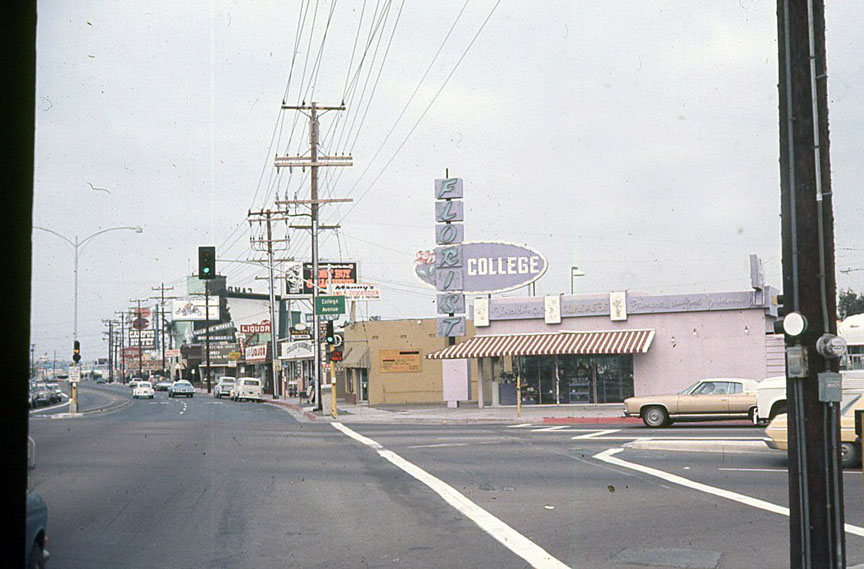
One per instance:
(294, 407)
(754, 446)
(609, 420)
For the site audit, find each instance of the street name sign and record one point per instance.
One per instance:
(330, 305)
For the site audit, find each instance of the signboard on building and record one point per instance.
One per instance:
(480, 267)
(400, 361)
(357, 291)
(195, 308)
(618, 306)
(220, 352)
(329, 273)
(448, 259)
(172, 353)
(256, 353)
(143, 338)
(262, 327)
(300, 350)
(130, 353)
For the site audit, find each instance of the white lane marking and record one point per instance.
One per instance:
(756, 470)
(535, 555)
(595, 435)
(438, 445)
(183, 410)
(522, 426)
(544, 429)
(607, 456)
(50, 408)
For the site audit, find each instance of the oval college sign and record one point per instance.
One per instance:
(485, 266)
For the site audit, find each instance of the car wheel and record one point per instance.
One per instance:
(655, 416)
(751, 415)
(850, 454)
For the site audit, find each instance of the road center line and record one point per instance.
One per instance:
(755, 469)
(535, 555)
(607, 456)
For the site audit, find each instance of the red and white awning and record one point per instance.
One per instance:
(558, 343)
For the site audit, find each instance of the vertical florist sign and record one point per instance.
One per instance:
(449, 260)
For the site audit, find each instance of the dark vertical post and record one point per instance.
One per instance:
(207, 329)
(817, 539)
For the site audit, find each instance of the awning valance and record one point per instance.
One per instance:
(547, 344)
(356, 357)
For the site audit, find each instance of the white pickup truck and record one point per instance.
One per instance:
(771, 394)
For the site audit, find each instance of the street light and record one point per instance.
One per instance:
(76, 245)
(574, 272)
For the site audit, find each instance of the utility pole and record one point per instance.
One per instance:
(122, 314)
(314, 161)
(266, 244)
(140, 347)
(162, 288)
(816, 526)
(207, 329)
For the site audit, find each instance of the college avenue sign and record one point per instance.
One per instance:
(480, 267)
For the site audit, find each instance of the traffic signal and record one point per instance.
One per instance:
(76, 352)
(331, 335)
(206, 262)
(781, 312)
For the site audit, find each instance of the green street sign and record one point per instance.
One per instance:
(330, 305)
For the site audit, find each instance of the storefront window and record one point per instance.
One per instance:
(575, 379)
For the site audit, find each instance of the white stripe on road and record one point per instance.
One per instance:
(521, 426)
(607, 456)
(755, 470)
(439, 445)
(544, 429)
(593, 435)
(535, 555)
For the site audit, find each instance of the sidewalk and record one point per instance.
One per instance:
(468, 413)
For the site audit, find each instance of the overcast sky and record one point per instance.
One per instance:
(635, 140)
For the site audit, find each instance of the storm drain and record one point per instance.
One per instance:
(668, 557)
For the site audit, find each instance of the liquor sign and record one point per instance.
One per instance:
(256, 353)
(448, 260)
(262, 327)
(480, 267)
(329, 273)
(358, 291)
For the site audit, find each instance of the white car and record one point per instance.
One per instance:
(771, 394)
(143, 389)
(247, 388)
(223, 387)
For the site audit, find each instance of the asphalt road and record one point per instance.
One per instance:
(211, 484)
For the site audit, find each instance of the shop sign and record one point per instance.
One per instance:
(256, 353)
(329, 273)
(448, 261)
(234, 356)
(356, 291)
(618, 306)
(480, 267)
(195, 308)
(142, 338)
(172, 353)
(399, 361)
(300, 350)
(262, 327)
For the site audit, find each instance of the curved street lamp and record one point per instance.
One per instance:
(77, 245)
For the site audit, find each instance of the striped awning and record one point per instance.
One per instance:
(558, 343)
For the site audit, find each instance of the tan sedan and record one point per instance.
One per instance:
(721, 398)
(850, 445)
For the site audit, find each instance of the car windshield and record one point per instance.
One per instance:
(688, 390)
(465, 252)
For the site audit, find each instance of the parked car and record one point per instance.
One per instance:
(36, 542)
(162, 385)
(708, 399)
(771, 394)
(57, 393)
(850, 444)
(181, 387)
(248, 388)
(135, 381)
(40, 395)
(223, 386)
(143, 389)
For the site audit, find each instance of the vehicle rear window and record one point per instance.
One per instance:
(251, 382)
